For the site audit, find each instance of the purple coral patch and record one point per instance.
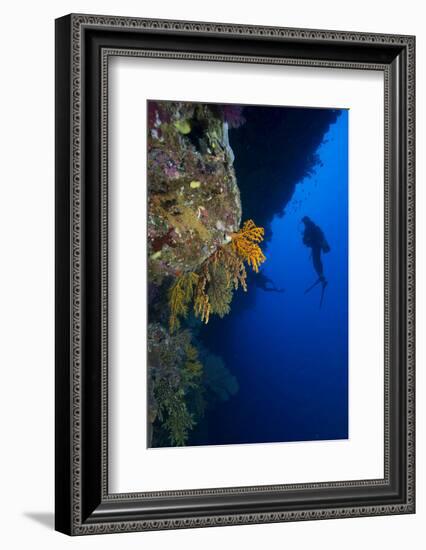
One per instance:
(233, 115)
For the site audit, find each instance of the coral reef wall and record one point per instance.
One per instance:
(193, 197)
(196, 255)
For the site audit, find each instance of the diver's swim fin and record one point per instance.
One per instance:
(324, 284)
(317, 282)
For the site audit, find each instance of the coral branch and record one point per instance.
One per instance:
(219, 290)
(180, 295)
(245, 244)
(224, 271)
(202, 305)
(233, 264)
(193, 369)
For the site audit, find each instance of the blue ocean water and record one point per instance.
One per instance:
(290, 356)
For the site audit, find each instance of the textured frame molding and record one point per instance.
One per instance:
(83, 504)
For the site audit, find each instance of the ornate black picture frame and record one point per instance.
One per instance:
(83, 45)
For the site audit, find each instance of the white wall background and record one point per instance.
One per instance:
(26, 289)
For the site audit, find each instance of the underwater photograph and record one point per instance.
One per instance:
(247, 228)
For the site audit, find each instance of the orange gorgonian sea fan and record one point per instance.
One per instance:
(246, 244)
(198, 287)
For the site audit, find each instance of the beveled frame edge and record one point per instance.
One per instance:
(74, 25)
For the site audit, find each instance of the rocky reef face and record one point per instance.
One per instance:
(194, 201)
(198, 251)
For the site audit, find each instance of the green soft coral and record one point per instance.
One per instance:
(173, 412)
(193, 368)
(175, 390)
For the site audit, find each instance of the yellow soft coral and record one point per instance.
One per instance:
(233, 265)
(180, 295)
(219, 290)
(193, 367)
(202, 306)
(223, 270)
(245, 244)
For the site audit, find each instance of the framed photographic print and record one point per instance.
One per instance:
(234, 274)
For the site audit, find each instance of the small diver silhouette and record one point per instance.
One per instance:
(266, 284)
(313, 238)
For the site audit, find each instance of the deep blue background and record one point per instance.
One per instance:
(291, 357)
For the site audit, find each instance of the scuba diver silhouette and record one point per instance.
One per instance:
(313, 238)
(267, 284)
